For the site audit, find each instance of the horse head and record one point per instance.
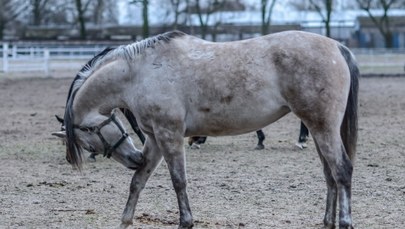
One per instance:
(99, 134)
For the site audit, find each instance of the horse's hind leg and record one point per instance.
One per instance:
(338, 166)
(153, 157)
(331, 198)
(196, 141)
(302, 139)
(260, 137)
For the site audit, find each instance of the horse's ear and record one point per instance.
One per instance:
(61, 134)
(59, 119)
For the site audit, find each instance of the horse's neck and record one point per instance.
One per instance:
(105, 89)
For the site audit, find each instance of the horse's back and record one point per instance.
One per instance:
(241, 86)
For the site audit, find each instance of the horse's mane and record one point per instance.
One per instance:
(128, 52)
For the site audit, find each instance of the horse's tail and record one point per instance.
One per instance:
(348, 129)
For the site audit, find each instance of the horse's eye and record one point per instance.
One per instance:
(85, 129)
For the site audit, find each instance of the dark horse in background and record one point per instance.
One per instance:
(196, 141)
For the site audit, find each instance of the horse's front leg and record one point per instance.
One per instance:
(172, 147)
(176, 164)
(153, 157)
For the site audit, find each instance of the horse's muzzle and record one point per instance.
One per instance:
(135, 162)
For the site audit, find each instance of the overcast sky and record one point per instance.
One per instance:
(283, 12)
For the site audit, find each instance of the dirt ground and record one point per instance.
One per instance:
(230, 184)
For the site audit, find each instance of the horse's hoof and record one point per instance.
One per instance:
(185, 227)
(346, 227)
(259, 147)
(195, 146)
(302, 145)
(124, 226)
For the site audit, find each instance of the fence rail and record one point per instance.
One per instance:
(44, 59)
(17, 58)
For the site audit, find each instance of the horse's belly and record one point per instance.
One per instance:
(233, 122)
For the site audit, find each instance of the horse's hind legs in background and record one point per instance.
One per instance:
(302, 139)
(260, 137)
(196, 141)
(152, 158)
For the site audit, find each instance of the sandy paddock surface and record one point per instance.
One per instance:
(230, 184)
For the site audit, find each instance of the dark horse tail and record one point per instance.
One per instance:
(348, 129)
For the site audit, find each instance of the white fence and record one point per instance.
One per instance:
(57, 60)
(44, 59)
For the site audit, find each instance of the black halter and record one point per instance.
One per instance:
(108, 149)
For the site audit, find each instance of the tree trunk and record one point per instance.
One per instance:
(264, 26)
(388, 37)
(203, 26)
(382, 23)
(145, 27)
(1, 30)
(266, 15)
(325, 18)
(36, 11)
(175, 5)
(328, 5)
(80, 18)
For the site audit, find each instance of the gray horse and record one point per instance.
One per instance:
(178, 86)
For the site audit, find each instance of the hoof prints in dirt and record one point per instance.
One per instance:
(50, 184)
(172, 219)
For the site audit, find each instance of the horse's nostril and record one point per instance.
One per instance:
(132, 167)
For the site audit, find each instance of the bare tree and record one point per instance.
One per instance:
(324, 8)
(38, 11)
(145, 16)
(99, 7)
(177, 11)
(94, 11)
(382, 22)
(102, 11)
(267, 11)
(81, 8)
(205, 11)
(327, 6)
(9, 12)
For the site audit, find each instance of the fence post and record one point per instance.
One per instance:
(14, 51)
(46, 61)
(5, 57)
(32, 52)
